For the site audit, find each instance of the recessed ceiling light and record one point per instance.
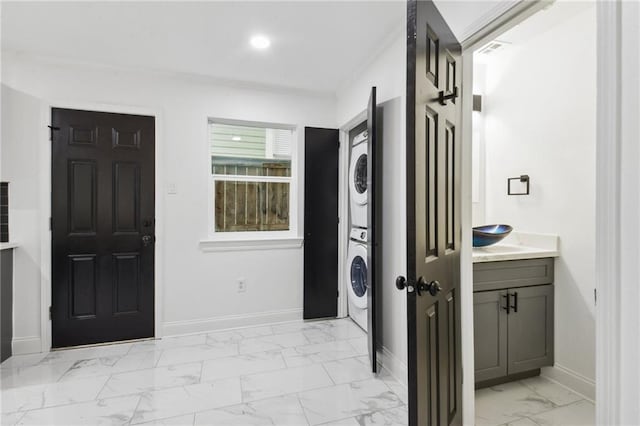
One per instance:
(236, 138)
(260, 42)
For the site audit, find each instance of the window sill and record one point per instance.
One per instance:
(252, 244)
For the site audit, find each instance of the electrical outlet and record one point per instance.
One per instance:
(242, 285)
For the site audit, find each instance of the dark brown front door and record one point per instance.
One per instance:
(103, 175)
(433, 218)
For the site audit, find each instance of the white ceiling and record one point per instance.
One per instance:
(316, 45)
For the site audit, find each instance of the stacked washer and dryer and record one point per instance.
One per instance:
(356, 266)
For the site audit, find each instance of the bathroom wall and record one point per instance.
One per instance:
(539, 117)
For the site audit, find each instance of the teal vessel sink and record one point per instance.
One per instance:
(490, 234)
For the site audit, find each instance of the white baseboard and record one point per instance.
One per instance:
(26, 345)
(570, 379)
(394, 365)
(176, 328)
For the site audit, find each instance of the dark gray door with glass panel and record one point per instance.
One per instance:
(103, 208)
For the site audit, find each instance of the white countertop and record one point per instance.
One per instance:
(518, 246)
(9, 245)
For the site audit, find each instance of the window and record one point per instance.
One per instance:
(251, 176)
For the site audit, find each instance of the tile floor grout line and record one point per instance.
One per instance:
(201, 370)
(560, 385)
(304, 413)
(70, 404)
(135, 410)
(555, 408)
(327, 373)
(102, 388)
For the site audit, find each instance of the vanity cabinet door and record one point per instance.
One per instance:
(490, 334)
(530, 328)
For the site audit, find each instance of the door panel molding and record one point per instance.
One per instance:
(43, 341)
(433, 243)
(101, 191)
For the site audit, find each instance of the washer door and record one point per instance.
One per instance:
(358, 174)
(357, 275)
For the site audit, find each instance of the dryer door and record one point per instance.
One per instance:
(358, 174)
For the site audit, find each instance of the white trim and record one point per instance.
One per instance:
(247, 178)
(45, 208)
(343, 225)
(486, 19)
(217, 245)
(571, 380)
(466, 251)
(9, 245)
(26, 345)
(226, 322)
(607, 216)
(343, 205)
(394, 365)
(617, 212)
(251, 123)
(295, 182)
(505, 18)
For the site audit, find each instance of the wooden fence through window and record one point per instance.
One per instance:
(252, 206)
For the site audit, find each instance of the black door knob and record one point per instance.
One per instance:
(401, 284)
(146, 240)
(434, 288)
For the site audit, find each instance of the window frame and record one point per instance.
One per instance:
(254, 239)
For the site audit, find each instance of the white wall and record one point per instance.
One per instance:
(198, 289)
(540, 114)
(20, 167)
(478, 198)
(387, 72)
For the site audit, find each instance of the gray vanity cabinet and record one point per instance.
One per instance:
(513, 325)
(530, 325)
(490, 334)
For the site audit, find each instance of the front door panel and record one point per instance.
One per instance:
(103, 175)
(433, 218)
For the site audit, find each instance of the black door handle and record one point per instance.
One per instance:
(146, 240)
(507, 306)
(442, 98)
(515, 301)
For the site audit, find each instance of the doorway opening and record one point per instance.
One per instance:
(533, 168)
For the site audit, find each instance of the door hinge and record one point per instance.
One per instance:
(595, 296)
(338, 219)
(51, 130)
(338, 293)
(50, 224)
(50, 313)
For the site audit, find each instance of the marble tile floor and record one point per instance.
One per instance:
(298, 373)
(532, 402)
